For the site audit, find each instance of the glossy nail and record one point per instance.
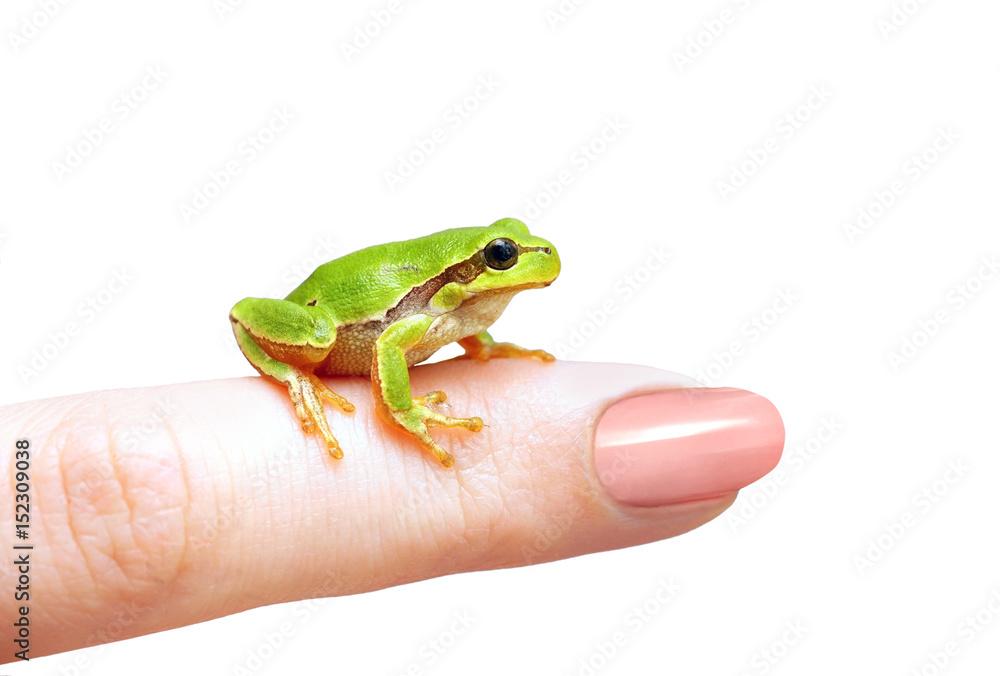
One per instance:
(689, 444)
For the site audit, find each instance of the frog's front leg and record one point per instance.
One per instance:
(482, 346)
(391, 385)
(286, 341)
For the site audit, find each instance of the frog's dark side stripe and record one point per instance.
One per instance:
(419, 297)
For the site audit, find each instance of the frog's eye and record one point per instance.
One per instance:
(500, 254)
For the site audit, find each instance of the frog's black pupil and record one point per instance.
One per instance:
(501, 254)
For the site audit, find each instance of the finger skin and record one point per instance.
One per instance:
(160, 507)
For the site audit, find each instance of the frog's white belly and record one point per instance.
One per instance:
(473, 316)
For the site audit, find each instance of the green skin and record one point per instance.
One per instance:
(380, 310)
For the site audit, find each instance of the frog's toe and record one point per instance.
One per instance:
(431, 417)
(487, 351)
(478, 355)
(295, 393)
(307, 392)
(328, 394)
(430, 399)
(314, 405)
(517, 352)
(334, 448)
(443, 456)
(435, 419)
(323, 426)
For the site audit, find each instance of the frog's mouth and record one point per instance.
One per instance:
(515, 288)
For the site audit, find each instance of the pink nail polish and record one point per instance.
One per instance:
(690, 444)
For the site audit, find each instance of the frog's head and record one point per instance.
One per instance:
(500, 258)
(511, 258)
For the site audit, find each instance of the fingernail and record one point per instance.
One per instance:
(690, 444)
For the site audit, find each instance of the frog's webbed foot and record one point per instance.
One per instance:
(482, 346)
(307, 392)
(421, 415)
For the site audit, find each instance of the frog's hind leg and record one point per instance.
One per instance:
(305, 389)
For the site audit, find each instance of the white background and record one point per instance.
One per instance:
(800, 552)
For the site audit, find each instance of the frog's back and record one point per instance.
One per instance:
(366, 284)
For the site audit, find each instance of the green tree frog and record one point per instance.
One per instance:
(380, 310)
